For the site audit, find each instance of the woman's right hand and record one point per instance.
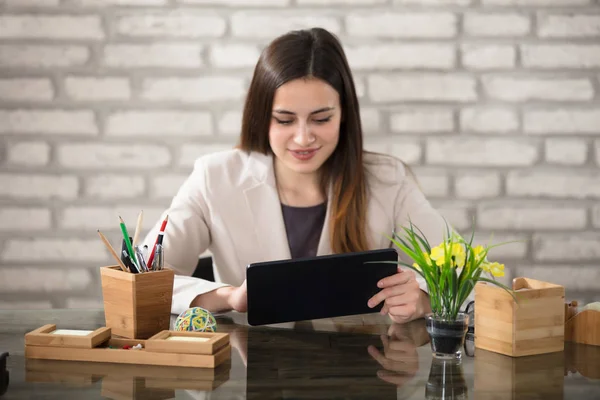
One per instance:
(238, 298)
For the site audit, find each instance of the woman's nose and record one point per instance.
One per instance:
(303, 136)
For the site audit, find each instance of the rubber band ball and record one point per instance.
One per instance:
(196, 319)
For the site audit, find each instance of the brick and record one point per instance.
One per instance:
(535, 3)
(597, 152)
(572, 277)
(422, 121)
(233, 55)
(106, 219)
(24, 219)
(371, 121)
(566, 151)
(360, 87)
(457, 216)
(434, 2)
(488, 56)
(531, 217)
(244, 24)
(570, 26)
(44, 280)
(83, 303)
(28, 154)
(57, 27)
(528, 89)
(562, 121)
(402, 25)
(407, 56)
(170, 24)
(230, 123)
(422, 87)
(42, 56)
(572, 247)
(97, 88)
(488, 24)
(48, 250)
(26, 89)
(111, 186)
(185, 123)
(30, 4)
(489, 120)
(58, 122)
(408, 152)
(245, 3)
(509, 251)
(109, 3)
(477, 185)
(43, 187)
(481, 152)
(194, 90)
(160, 55)
(104, 156)
(25, 305)
(433, 183)
(554, 184)
(166, 186)
(560, 56)
(596, 216)
(339, 2)
(189, 153)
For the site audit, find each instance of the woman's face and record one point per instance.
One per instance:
(305, 124)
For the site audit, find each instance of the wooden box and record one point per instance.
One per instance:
(137, 306)
(582, 327)
(532, 325)
(187, 342)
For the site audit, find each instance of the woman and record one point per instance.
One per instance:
(299, 184)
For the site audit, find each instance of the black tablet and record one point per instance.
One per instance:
(316, 287)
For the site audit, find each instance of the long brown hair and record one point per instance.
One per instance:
(316, 53)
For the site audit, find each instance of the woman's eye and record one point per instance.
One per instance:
(283, 122)
(323, 120)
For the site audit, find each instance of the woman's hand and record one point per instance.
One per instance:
(238, 298)
(400, 360)
(403, 299)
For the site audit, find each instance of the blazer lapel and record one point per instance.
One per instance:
(264, 206)
(324, 247)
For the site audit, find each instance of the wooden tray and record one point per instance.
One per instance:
(187, 342)
(104, 353)
(48, 335)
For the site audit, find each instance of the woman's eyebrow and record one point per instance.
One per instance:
(320, 110)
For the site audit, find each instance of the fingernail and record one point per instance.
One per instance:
(380, 284)
(370, 304)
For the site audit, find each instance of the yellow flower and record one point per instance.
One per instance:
(427, 260)
(458, 252)
(438, 255)
(496, 269)
(478, 252)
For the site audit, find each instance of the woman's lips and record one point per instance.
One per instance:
(304, 155)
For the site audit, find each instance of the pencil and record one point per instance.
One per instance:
(113, 252)
(127, 241)
(138, 228)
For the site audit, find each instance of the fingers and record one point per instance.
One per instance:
(394, 378)
(389, 292)
(400, 278)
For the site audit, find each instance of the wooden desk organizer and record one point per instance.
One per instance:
(583, 327)
(137, 306)
(215, 349)
(534, 325)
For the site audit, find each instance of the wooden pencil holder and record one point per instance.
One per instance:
(532, 325)
(137, 306)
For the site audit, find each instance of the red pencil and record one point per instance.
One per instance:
(159, 240)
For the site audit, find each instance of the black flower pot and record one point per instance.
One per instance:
(447, 336)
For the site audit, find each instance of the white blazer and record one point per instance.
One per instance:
(229, 205)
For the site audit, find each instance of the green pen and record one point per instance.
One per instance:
(128, 243)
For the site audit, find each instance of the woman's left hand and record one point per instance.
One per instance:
(402, 297)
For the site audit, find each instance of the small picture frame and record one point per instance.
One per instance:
(187, 342)
(48, 335)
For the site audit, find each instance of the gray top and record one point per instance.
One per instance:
(303, 226)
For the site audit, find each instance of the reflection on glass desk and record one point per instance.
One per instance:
(361, 357)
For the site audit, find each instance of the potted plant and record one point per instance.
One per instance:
(451, 270)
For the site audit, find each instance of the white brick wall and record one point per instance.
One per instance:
(106, 104)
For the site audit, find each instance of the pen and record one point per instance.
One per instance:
(140, 259)
(159, 239)
(134, 269)
(159, 258)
